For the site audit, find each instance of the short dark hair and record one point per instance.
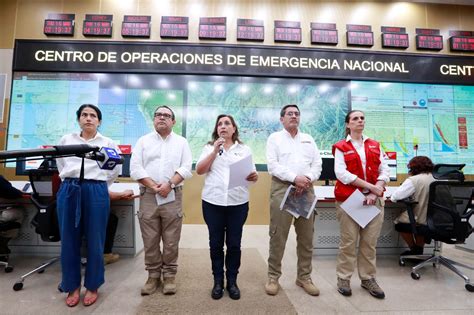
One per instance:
(420, 164)
(81, 108)
(164, 106)
(283, 110)
(235, 136)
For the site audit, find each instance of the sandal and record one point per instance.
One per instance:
(73, 298)
(90, 297)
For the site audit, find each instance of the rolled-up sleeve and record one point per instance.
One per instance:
(60, 162)
(113, 174)
(137, 170)
(316, 165)
(404, 191)
(186, 162)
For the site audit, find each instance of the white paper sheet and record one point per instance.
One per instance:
(355, 208)
(170, 198)
(238, 172)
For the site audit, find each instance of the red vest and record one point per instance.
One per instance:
(354, 165)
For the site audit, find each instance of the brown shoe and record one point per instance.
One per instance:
(344, 287)
(308, 286)
(150, 286)
(110, 258)
(272, 286)
(373, 288)
(169, 286)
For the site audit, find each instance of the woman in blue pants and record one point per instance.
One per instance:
(83, 207)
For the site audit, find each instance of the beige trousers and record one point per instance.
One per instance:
(280, 223)
(160, 224)
(366, 255)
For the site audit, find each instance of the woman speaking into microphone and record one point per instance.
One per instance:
(83, 208)
(225, 210)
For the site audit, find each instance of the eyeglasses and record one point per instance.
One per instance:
(291, 114)
(164, 115)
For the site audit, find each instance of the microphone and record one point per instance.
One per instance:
(75, 149)
(58, 150)
(107, 158)
(221, 149)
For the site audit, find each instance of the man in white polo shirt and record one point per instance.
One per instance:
(160, 162)
(293, 159)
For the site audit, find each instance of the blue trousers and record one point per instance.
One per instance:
(83, 211)
(225, 223)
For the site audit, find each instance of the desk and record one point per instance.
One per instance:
(128, 240)
(326, 235)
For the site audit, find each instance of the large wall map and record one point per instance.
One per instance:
(436, 118)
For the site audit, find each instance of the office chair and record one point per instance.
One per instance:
(44, 183)
(10, 219)
(450, 206)
(4, 227)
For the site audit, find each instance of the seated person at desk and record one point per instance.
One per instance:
(415, 187)
(8, 214)
(109, 256)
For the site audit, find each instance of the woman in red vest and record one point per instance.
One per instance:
(359, 164)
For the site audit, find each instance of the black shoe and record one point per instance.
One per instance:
(218, 290)
(233, 289)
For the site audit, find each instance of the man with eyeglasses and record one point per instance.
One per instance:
(293, 159)
(160, 162)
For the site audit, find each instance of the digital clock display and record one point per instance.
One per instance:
(97, 28)
(355, 38)
(97, 25)
(174, 30)
(250, 29)
(429, 42)
(174, 27)
(58, 27)
(136, 26)
(461, 43)
(287, 34)
(324, 37)
(135, 29)
(253, 33)
(393, 40)
(212, 31)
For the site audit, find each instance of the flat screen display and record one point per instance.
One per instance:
(437, 119)
(127, 102)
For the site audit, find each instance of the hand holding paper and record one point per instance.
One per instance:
(355, 208)
(298, 204)
(169, 198)
(239, 171)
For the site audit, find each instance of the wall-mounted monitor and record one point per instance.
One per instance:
(327, 173)
(438, 118)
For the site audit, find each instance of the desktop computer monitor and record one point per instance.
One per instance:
(327, 172)
(125, 165)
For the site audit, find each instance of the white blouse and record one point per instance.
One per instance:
(215, 189)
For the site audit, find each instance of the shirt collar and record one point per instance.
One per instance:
(97, 136)
(167, 137)
(289, 134)
(349, 138)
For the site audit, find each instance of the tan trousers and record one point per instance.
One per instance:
(160, 223)
(350, 233)
(280, 223)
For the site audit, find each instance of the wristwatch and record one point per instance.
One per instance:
(172, 185)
